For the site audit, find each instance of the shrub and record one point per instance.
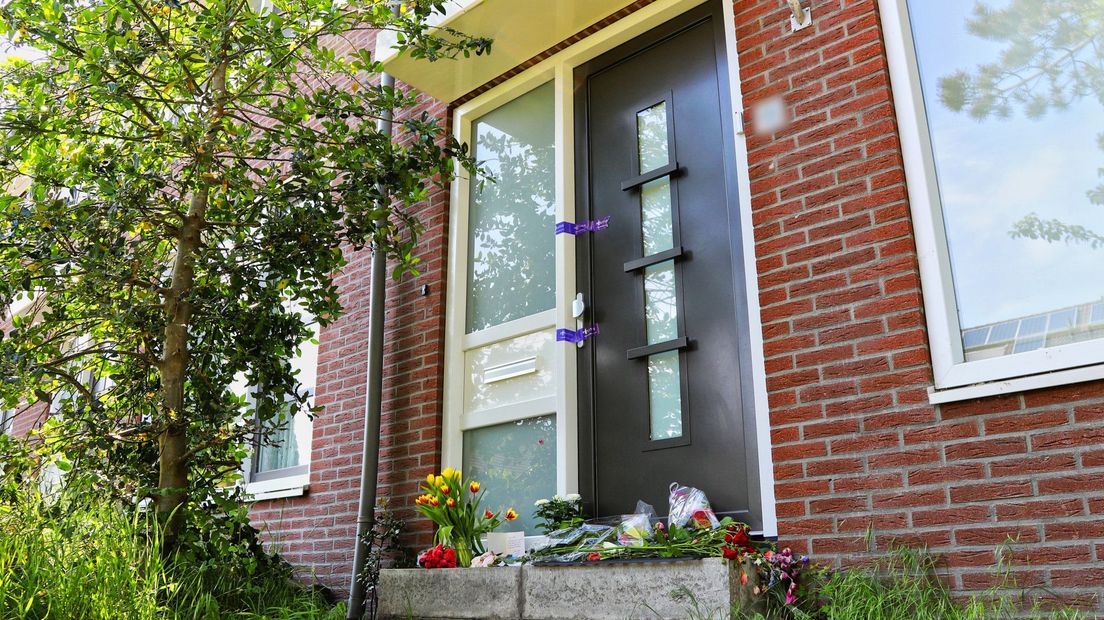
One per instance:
(73, 558)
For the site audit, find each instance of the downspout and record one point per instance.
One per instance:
(369, 468)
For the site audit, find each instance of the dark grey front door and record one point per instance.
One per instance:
(663, 391)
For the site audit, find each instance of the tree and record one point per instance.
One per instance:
(1053, 56)
(193, 170)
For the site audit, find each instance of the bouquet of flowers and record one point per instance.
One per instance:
(439, 557)
(559, 512)
(454, 507)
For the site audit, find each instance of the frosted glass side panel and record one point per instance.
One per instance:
(656, 216)
(511, 220)
(660, 303)
(664, 396)
(651, 137)
(516, 464)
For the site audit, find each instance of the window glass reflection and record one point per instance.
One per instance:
(660, 303)
(511, 248)
(651, 137)
(1016, 118)
(657, 216)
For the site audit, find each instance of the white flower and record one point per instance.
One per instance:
(557, 498)
(483, 561)
(540, 502)
(573, 497)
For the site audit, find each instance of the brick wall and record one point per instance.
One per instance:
(855, 443)
(28, 417)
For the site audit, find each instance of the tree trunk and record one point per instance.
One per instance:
(173, 442)
(174, 460)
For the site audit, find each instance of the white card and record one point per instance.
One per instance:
(506, 543)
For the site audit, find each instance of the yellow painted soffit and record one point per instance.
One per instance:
(520, 29)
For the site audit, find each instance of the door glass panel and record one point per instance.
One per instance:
(660, 303)
(516, 463)
(656, 216)
(665, 395)
(651, 137)
(511, 219)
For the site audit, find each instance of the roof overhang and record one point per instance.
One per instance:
(520, 30)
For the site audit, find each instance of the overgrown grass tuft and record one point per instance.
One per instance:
(94, 560)
(905, 585)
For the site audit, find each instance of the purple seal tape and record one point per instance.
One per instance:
(582, 228)
(571, 335)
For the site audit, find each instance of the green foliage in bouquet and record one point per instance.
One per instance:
(559, 513)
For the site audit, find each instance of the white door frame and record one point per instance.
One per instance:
(559, 68)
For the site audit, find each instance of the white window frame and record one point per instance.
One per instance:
(955, 378)
(560, 69)
(294, 481)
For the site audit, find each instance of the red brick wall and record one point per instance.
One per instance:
(26, 418)
(855, 443)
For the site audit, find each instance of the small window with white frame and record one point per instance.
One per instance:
(280, 463)
(1002, 129)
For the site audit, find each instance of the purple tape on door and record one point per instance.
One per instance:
(571, 335)
(582, 228)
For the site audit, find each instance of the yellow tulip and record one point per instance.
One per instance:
(447, 473)
(439, 481)
(429, 479)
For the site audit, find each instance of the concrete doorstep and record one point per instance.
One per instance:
(598, 591)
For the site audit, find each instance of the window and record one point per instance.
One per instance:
(282, 462)
(502, 305)
(1002, 124)
(517, 462)
(7, 419)
(515, 210)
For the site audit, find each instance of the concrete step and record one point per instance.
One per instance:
(607, 590)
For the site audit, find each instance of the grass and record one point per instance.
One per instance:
(96, 561)
(904, 585)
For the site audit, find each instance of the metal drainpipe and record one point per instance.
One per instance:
(369, 469)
